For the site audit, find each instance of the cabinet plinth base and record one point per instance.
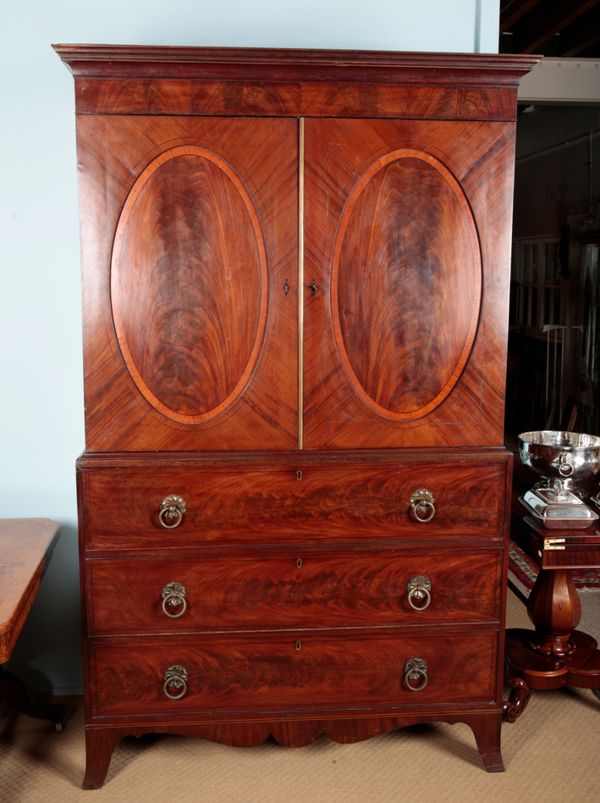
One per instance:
(101, 740)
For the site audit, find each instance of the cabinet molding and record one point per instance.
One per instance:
(128, 79)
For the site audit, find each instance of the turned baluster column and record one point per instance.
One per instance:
(555, 610)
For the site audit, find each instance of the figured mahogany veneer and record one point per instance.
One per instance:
(205, 302)
(296, 670)
(391, 252)
(295, 289)
(380, 369)
(315, 500)
(187, 323)
(163, 96)
(301, 588)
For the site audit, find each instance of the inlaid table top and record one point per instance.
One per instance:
(25, 546)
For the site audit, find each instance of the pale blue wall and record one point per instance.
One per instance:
(41, 397)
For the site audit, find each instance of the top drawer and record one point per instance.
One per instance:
(291, 501)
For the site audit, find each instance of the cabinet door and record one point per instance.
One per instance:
(406, 270)
(189, 250)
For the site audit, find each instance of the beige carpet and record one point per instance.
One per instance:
(551, 755)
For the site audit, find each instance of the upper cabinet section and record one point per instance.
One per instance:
(293, 248)
(189, 229)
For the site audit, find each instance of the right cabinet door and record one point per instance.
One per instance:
(406, 271)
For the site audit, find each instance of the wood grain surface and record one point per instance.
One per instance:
(199, 96)
(289, 64)
(291, 670)
(204, 250)
(189, 284)
(265, 503)
(405, 285)
(580, 549)
(399, 237)
(294, 731)
(25, 546)
(302, 588)
(236, 81)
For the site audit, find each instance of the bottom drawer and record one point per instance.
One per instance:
(291, 670)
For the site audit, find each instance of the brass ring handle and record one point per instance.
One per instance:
(415, 674)
(176, 677)
(174, 595)
(422, 505)
(419, 592)
(171, 513)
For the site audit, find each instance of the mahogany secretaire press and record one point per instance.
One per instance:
(293, 496)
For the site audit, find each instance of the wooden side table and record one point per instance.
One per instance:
(25, 549)
(555, 654)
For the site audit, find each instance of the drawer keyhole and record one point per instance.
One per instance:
(298, 646)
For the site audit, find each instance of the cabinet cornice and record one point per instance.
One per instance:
(229, 63)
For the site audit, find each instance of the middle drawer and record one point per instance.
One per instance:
(305, 588)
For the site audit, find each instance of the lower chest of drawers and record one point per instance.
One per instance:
(292, 592)
(293, 631)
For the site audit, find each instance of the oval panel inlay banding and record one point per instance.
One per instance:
(406, 285)
(189, 284)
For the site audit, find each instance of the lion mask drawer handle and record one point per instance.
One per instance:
(419, 592)
(175, 682)
(415, 674)
(174, 600)
(171, 512)
(422, 505)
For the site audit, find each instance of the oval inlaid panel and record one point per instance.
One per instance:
(189, 285)
(406, 284)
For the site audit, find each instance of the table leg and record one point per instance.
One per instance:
(13, 691)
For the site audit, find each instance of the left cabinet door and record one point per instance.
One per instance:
(189, 257)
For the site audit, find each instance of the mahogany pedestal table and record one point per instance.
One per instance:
(25, 549)
(555, 654)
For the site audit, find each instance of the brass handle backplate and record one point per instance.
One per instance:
(175, 682)
(422, 505)
(415, 674)
(419, 592)
(174, 600)
(172, 509)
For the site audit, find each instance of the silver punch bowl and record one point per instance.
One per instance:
(561, 455)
